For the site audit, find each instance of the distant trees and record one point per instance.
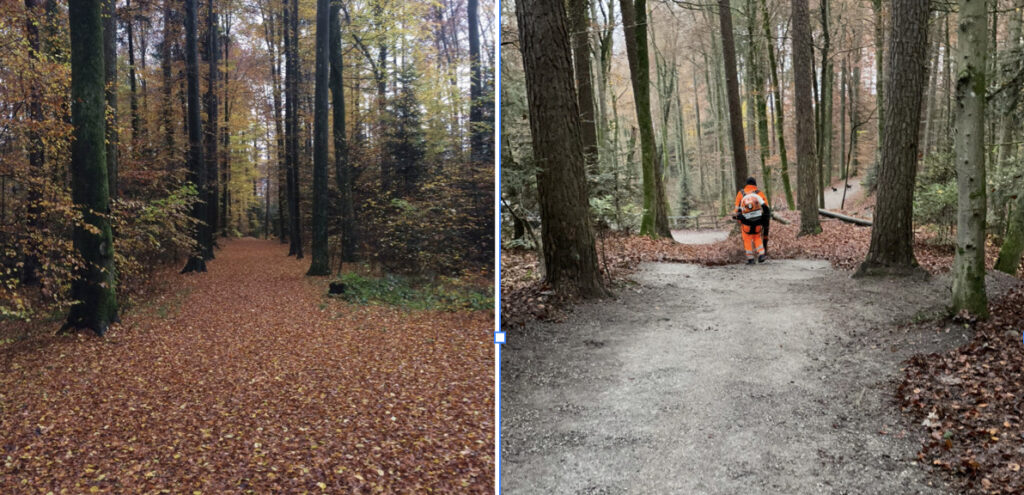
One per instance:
(181, 176)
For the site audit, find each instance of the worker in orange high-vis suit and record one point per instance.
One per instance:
(753, 214)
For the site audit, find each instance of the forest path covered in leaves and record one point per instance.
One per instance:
(775, 378)
(248, 378)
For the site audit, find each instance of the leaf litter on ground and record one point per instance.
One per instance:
(257, 383)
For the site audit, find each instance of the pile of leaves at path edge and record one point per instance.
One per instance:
(971, 402)
(525, 298)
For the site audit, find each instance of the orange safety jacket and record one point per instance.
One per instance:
(747, 190)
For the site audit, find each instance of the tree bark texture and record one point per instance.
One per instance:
(93, 289)
(110, 83)
(969, 143)
(568, 239)
(320, 264)
(803, 77)
(892, 236)
(196, 164)
(778, 107)
(342, 166)
(654, 222)
(585, 89)
(739, 148)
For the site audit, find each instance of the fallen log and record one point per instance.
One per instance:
(840, 216)
(777, 218)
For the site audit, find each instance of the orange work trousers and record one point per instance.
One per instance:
(752, 241)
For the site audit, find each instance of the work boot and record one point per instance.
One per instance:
(750, 261)
(762, 258)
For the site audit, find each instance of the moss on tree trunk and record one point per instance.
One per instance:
(94, 287)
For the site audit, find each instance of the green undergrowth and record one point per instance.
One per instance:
(443, 294)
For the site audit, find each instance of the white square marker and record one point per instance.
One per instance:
(499, 337)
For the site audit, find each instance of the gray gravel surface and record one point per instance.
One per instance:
(775, 378)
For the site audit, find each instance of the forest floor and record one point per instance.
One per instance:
(248, 379)
(775, 378)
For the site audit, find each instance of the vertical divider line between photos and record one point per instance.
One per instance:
(497, 246)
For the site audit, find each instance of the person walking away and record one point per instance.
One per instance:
(754, 215)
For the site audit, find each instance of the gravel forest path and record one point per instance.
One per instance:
(775, 378)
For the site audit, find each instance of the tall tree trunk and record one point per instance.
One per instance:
(321, 261)
(110, 83)
(210, 194)
(825, 131)
(654, 222)
(947, 140)
(1013, 245)
(94, 286)
(225, 162)
(853, 86)
(165, 68)
(929, 111)
(880, 89)
(196, 163)
(700, 139)
(1010, 96)
(739, 148)
(568, 240)
(274, 47)
(969, 135)
(803, 78)
(479, 129)
(892, 233)
(760, 107)
(780, 124)
(132, 83)
(585, 89)
(291, 19)
(842, 119)
(342, 167)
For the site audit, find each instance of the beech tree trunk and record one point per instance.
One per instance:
(969, 136)
(739, 147)
(342, 167)
(320, 264)
(803, 78)
(585, 89)
(196, 164)
(654, 222)
(570, 257)
(210, 195)
(110, 83)
(778, 107)
(291, 21)
(479, 129)
(880, 89)
(94, 287)
(165, 68)
(892, 236)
